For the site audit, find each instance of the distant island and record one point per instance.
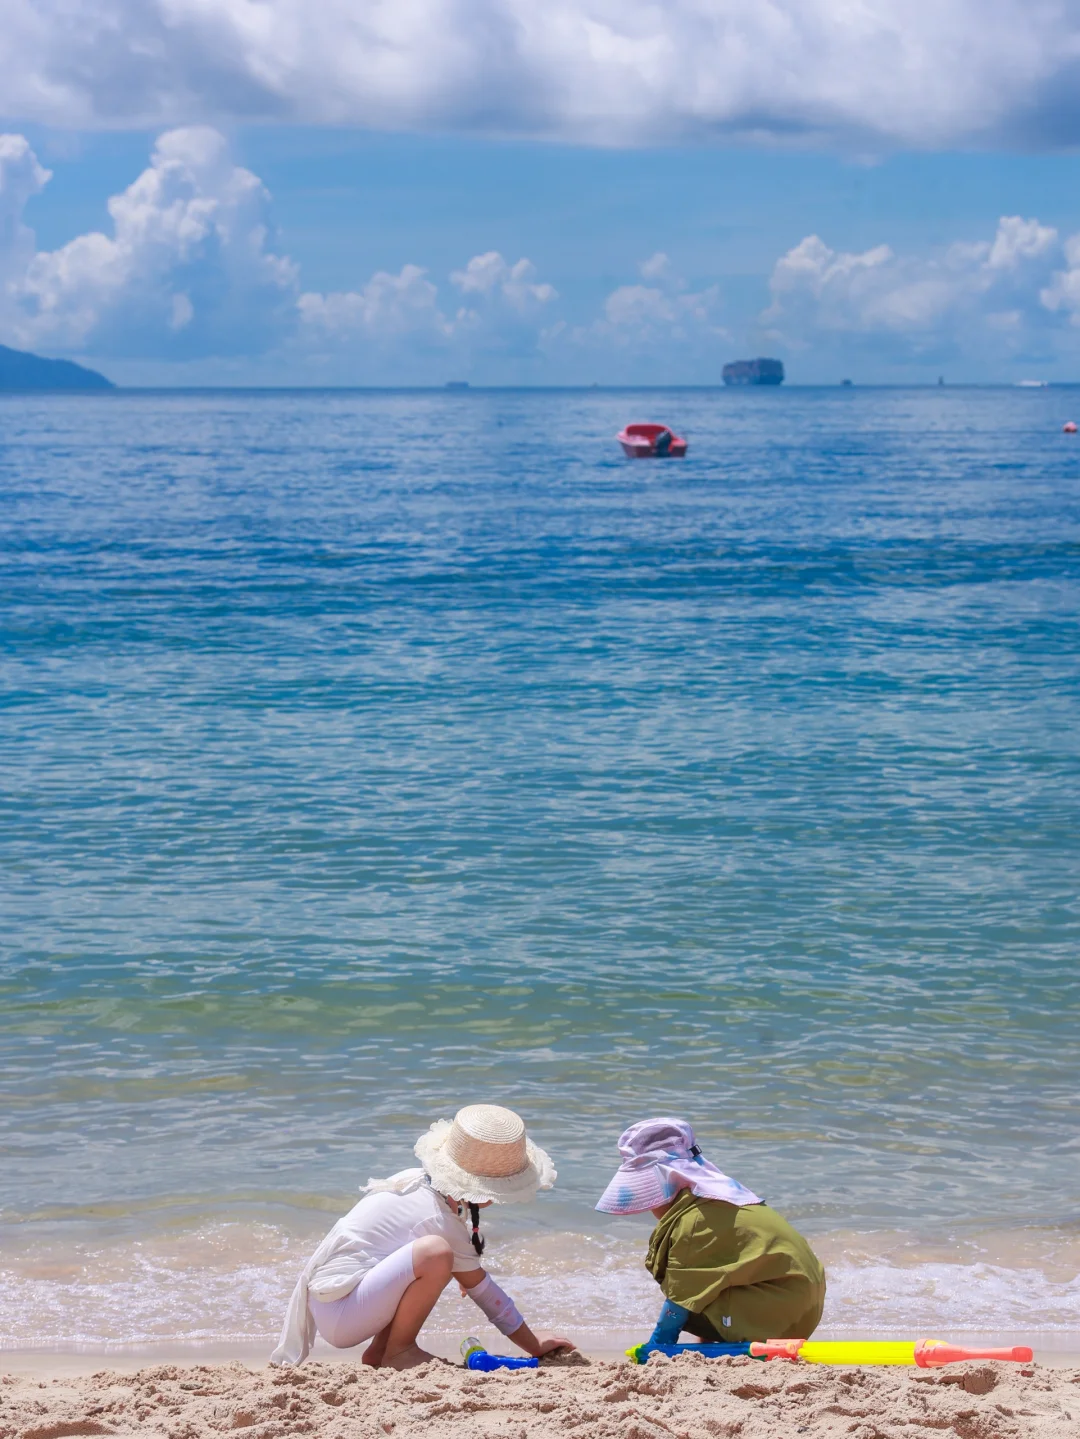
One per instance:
(754, 372)
(19, 370)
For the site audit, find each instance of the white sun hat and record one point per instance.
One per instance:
(484, 1154)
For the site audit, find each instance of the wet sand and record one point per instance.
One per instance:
(690, 1398)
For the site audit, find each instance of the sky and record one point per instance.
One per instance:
(584, 191)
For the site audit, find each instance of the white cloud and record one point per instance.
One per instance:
(186, 272)
(1063, 292)
(388, 307)
(190, 273)
(21, 177)
(998, 292)
(401, 314)
(506, 314)
(660, 332)
(661, 313)
(1018, 240)
(489, 277)
(875, 73)
(637, 312)
(656, 267)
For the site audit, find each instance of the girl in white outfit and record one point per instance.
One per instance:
(380, 1270)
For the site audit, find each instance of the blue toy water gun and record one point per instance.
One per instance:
(640, 1352)
(665, 1339)
(476, 1357)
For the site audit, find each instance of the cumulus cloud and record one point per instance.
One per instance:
(1062, 295)
(186, 272)
(506, 308)
(21, 176)
(489, 277)
(502, 313)
(882, 72)
(388, 307)
(190, 271)
(658, 318)
(1007, 287)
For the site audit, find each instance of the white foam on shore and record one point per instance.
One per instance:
(229, 1283)
(947, 1297)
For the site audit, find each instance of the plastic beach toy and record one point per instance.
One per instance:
(639, 1354)
(665, 1339)
(925, 1353)
(476, 1357)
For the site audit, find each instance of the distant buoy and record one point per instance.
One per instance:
(1069, 427)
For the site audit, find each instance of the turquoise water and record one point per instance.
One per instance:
(365, 755)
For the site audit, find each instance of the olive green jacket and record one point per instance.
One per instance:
(742, 1271)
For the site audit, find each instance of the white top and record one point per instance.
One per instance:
(373, 1229)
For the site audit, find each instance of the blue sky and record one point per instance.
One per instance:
(889, 197)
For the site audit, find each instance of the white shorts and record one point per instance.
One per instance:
(370, 1306)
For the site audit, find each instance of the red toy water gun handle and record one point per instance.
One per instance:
(776, 1348)
(929, 1353)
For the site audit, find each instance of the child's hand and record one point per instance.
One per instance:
(549, 1343)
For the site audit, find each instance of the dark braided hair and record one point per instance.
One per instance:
(477, 1237)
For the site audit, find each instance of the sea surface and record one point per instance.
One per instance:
(364, 755)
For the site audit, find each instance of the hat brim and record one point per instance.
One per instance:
(635, 1189)
(450, 1179)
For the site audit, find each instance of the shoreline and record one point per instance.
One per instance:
(1051, 1350)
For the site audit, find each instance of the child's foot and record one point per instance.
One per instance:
(375, 1351)
(407, 1358)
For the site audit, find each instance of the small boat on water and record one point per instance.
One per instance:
(646, 442)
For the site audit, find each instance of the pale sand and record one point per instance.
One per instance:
(689, 1398)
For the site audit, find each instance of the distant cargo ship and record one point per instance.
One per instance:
(754, 372)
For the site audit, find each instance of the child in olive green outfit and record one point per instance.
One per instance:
(731, 1268)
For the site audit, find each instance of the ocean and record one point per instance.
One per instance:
(367, 754)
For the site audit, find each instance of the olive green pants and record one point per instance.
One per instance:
(777, 1309)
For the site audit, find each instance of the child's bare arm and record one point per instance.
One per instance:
(503, 1313)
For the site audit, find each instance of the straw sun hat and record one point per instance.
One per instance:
(484, 1154)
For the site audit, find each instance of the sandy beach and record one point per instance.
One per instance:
(690, 1398)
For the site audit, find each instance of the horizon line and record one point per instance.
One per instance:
(467, 388)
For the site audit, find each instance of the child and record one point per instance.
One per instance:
(380, 1270)
(730, 1267)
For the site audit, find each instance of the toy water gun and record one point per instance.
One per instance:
(925, 1353)
(476, 1357)
(665, 1339)
(639, 1354)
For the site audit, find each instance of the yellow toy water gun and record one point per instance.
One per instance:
(925, 1353)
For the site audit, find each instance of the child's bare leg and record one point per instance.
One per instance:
(373, 1354)
(433, 1262)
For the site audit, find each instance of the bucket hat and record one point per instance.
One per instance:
(659, 1158)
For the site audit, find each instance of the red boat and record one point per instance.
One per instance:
(646, 442)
